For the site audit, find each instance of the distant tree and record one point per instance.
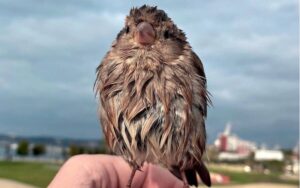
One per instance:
(274, 166)
(287, 151)
(103, 148)
(75, 150)
(23, 148)
(96, 150)
(38, 149)
(82, 150)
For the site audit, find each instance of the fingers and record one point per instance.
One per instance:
(150, 176)
(73, 173)
(161, 177)
(105, 171)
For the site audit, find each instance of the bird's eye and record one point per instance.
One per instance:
(166, 34)
(127, 29)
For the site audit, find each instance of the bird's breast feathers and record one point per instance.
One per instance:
(153, 110)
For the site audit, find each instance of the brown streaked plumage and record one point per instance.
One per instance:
(153, 97)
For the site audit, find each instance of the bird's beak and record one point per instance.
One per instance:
(144, 34)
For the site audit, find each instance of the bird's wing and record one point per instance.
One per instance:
(199, 66)
(204, 94)
(106, 87)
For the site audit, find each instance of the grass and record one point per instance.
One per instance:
(244, 178)
(34, 173)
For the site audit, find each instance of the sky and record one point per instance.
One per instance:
(49, 51)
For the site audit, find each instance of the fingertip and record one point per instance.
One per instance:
(160, 177)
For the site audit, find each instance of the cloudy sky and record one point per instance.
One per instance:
(49, 51)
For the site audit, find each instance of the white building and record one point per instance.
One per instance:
(268, 155)
(229, 156)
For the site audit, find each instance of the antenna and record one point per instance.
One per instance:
(227, 129)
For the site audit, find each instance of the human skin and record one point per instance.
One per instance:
(106, 171)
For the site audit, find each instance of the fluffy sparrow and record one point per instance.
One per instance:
(153, 97)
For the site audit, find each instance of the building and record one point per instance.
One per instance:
(228, 142)
(230, 156)
(5, 150)
(231, 147)
(268, 155)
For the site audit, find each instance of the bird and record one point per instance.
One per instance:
(153, 97)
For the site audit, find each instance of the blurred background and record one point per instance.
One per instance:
(49, 51)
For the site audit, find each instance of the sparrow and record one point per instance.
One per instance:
(153, 97)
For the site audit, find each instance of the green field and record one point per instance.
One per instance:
(40, 174)
(244, 178)
(34, 173)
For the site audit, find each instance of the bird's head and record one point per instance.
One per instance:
(149, 30)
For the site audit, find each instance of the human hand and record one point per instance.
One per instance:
(106, 171)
